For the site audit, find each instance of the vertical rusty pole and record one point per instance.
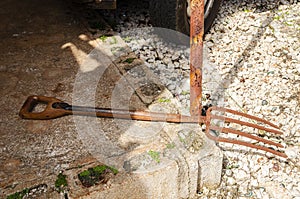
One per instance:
(196, 56)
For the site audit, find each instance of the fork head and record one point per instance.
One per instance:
(249, 139)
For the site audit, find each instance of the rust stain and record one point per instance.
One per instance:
(196, 58)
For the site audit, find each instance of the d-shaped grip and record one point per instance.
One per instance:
(27, 110)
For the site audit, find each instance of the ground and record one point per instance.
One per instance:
(35, 61)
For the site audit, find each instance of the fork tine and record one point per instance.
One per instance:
(247, 144)
(228, 130)
(231, 120)
(244, 115)
(209, 127)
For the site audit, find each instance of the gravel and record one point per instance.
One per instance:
(253, 52)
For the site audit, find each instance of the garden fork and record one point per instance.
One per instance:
(56, 108)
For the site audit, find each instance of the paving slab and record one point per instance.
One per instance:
(48, 52)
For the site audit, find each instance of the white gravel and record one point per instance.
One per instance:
(256, 48)
(254, 51)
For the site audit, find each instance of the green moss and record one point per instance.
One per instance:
(117, 50)
(85, 173)
(154, 155)
(18, 195)
(114, 40)
(276, 17)
(127, 39)
(95, 175)
(100, 169)
(103, 38)
(171, 145)
(114, 170)
(61, 182)
(185, 93)
(232, 166)
(161, 100)
(288, 23)
(129, 60)
(181, 139)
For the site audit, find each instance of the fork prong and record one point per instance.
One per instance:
(231, 120)
(221, 109)
(209, 127)
(247, 144)
(233, 131)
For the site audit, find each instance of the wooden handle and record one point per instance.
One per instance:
(27, 110)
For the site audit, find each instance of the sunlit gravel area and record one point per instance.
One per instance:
(253, 50)
(255, 45)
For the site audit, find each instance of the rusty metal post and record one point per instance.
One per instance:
(196, 56)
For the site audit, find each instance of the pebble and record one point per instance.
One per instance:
(231, 181)
(229, 172)
(241, 175)
(257, 109)
(254, 183)
(292, 152)
(171, 87)
(264, 102)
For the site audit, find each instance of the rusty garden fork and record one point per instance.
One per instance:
(199, 114)
(196, 63)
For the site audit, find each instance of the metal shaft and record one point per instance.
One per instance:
(196, 57)
(133, 114)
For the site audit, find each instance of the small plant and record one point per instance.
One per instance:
(61, 182)
(19, 195)
(85, 173)
(99, 169)
(288, 23)
(117, 50)
(28, 192)
(96, 175)
(162, 100)
(185, 93)
(114, 40)
(127, 39)
(171, 145)
(232, 166)
(129, 60)
(247, 10)
(154, 155)
(103, 38)
(114, 170)
(276, 17)
(181, 139)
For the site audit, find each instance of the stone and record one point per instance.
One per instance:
(292, 152)
(264, 102)
(228, 172)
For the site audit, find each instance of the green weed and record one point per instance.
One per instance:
(154, 155)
